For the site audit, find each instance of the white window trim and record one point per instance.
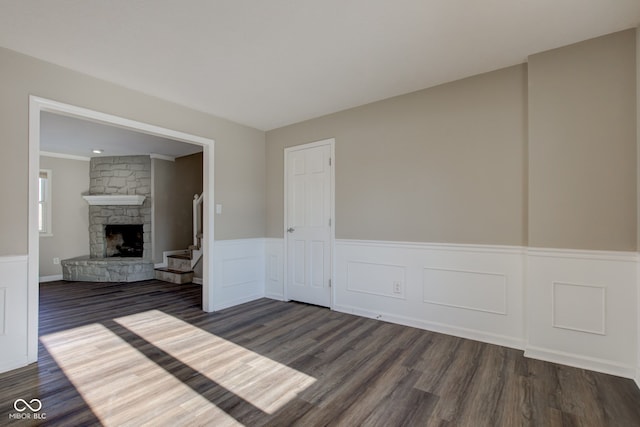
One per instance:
(48, 232)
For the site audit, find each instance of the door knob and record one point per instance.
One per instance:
(290, 230)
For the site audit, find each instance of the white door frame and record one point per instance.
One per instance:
(36, 106)
(332, 143)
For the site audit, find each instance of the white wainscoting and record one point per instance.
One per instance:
(582, 309)
(471, 291)
(574, 307)
(13, 312)
(274, 269)
(239, 271)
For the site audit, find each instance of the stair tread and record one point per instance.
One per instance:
(171, 270)
(180, 256)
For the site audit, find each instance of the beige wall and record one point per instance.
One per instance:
(446, 164)
(239, 150)
(69, 215)
(480, 160)
(582, 145)
(175, 184)
(164, 239)
(542, 154)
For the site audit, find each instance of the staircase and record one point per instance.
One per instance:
(180, 264)
(178, 269)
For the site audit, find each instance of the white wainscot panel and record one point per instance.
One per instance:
(472, 290)
(317, 263)
(299, 267)
(579, 307)
(274, 286)
(239, 271)
(376, 279)
(13, 312)
(3, 310)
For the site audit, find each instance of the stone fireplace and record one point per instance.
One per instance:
(119, 222)
(124, 240)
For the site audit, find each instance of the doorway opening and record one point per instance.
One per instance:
(39, 105)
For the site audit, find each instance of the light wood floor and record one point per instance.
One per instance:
(144, 354)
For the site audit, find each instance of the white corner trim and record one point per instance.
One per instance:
(65, 156)
(54, 278)
(114, 199)
(162, 157)
(578, 361)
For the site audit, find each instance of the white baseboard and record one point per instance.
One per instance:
(579, 361)
(53, 278)
(197, 280)
(13, 364)
(278, 297)
(471, 334)
(239, 301)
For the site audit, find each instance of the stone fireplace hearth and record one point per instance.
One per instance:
(119, 223)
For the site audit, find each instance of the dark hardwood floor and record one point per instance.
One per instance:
(145, 354)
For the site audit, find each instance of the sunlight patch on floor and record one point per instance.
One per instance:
(259, 380)
(122, 386)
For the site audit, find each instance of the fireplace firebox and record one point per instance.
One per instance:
(124, 240)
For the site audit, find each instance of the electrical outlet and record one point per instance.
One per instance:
(397, 287)
(56, 260)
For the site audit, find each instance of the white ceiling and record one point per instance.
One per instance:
(71, 136)
(272, 63)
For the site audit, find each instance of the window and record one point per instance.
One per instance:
(44, 203)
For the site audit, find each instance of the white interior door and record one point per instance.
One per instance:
(308, 222)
